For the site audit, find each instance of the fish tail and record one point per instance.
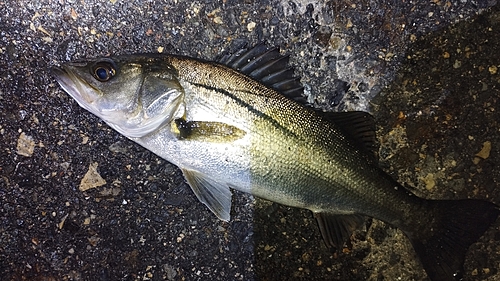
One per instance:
(442, 242)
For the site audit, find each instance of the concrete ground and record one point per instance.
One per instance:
(427, 70)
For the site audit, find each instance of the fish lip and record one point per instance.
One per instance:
(80, 91)
(63, 79)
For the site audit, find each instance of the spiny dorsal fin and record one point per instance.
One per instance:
(359, 125)
(267, 66)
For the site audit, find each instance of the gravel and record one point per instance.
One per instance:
(427, 70)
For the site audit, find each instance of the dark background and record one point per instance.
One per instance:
(427, 71)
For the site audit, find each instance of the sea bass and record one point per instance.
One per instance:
(237, 124)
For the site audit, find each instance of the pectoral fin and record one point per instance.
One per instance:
(207, 131)
(336, 229)
(215, 195)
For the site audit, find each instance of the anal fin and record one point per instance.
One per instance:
(336, 229)
(216, 196)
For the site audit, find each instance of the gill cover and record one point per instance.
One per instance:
(159, 98)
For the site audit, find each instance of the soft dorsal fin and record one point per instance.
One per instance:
(358, 125)
(267, 66)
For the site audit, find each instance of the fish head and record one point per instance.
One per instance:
(135, 95)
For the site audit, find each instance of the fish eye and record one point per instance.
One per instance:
(103, 71)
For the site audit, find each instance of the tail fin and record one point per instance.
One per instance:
(456, 225)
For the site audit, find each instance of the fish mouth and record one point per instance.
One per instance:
(77, 88)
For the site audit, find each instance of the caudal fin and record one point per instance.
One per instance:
(454, 227)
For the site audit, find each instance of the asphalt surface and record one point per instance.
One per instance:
(428, 71)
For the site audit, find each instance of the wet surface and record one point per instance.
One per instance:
(437, 109)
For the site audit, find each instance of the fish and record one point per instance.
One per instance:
(242, 122)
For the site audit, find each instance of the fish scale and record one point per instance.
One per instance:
(229, 129)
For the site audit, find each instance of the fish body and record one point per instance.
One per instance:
(225, 129)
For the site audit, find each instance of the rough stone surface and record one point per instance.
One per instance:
(427, 70)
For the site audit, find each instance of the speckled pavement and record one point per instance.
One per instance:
(427, 70)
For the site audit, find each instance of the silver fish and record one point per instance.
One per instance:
(243, 129)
